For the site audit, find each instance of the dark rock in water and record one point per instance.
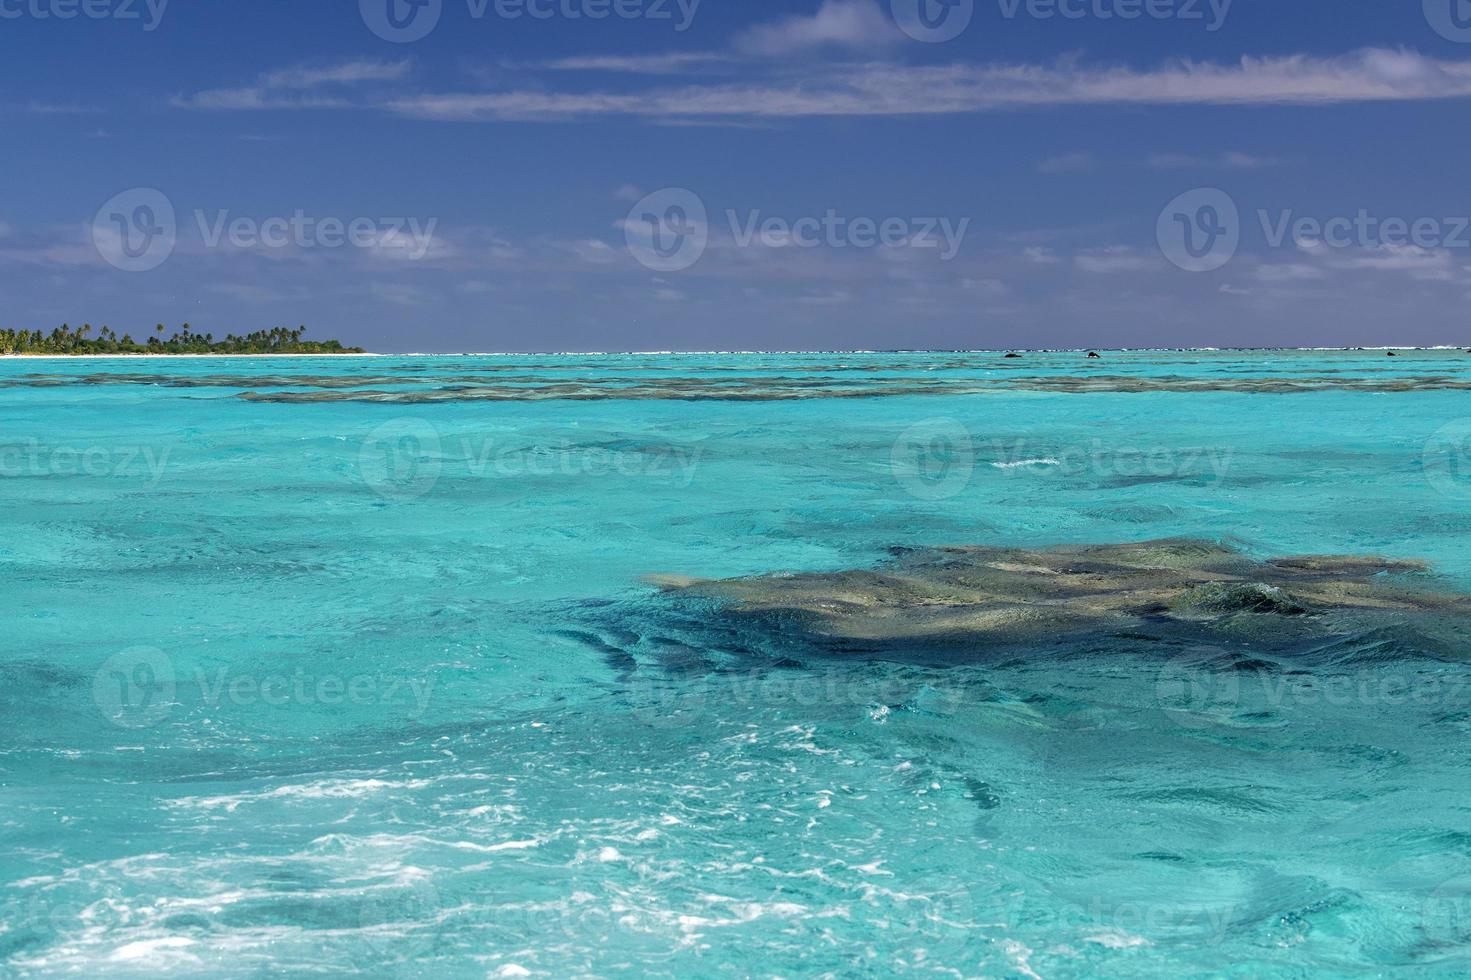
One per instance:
(1013, 354)
(1218, 599)
(1094, 353)
(1175, 591)
(1391, 354)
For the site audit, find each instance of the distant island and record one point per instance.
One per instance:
(80, 341)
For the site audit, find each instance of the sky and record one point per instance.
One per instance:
(634, 175)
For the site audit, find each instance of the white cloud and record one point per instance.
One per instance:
(1289, 272)
(1245, 161)
(652, 64)
(347, 73)
(596, 251)
(58, 109)
(832, 297)
(286, 88)
(1427, 264)
(1233, 160)
(840, 23)
(1116, 258)
(882, 89)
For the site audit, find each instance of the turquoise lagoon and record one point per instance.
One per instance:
(351, 667)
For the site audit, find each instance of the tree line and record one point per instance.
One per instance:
(84, 340)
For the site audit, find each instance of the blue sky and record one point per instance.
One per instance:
(506, 174)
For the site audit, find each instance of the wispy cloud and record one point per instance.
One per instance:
(298, 87)
(1288, 272)
(347, 73)
(58, 109)
(1233, 160)
(1117, 258)
(886, 89)
(653, 64)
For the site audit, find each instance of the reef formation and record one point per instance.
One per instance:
(1171, 591)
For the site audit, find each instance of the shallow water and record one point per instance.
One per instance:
(380, 685)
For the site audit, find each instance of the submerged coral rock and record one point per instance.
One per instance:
(1218, 598)
(1172, 589)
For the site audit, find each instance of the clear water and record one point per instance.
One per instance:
(347, 686)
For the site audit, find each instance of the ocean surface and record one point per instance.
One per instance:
(356, 667)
